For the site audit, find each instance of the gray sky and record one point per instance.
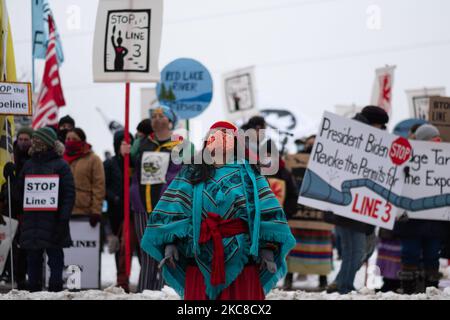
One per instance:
(309, 54)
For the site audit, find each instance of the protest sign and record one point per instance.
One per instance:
(82, 255)
(6, 239)
(15, 98)
(427, 182)
(127, 41)
(419, 101)
(348, 111)
(382, 88)
(440, 115)
(148, 100)
(354, 170)
(186, 86)
(240, 97)
(41, 193)
(305, 217)
(154, 167)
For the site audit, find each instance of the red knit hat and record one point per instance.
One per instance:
(224, 125)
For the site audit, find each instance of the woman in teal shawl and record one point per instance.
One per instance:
(218, 230)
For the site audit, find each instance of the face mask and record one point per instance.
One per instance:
(39, 146)
(73, 147)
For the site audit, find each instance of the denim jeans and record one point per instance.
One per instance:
(421, 249)
(35, 260)
(353, 247)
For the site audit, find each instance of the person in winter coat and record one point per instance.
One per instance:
(218, 231)
(153, 171)
(114, 196)
(65, 124)
(46, 229)
(354, 235)
(20, 152)
(89, 176)
(421, 240)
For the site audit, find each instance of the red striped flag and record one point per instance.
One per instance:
(50, 97)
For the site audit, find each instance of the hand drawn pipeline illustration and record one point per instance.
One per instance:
(314, 187)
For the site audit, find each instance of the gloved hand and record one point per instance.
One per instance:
(113, 244)
(170, 255)
(94, 219)
(267, 260)
(9, 170)
(61, 230)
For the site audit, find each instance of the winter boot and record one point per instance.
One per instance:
(409, 280)
(288, 281)
(323, 282)
(432, 278)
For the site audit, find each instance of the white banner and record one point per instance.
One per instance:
(240, 97)
(83, 255)
(6, 240)
(15, 98)
(419, 101)
(350, 172)
(41, 193)
(127, 41)
(382, 88)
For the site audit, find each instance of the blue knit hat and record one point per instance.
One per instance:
(167, 111)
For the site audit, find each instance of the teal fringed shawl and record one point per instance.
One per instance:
(235, 191)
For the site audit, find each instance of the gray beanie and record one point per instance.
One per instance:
(426, 132)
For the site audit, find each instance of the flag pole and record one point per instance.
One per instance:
(9, 210)
(32, 49)
(126, 186)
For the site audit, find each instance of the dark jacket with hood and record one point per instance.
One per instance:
(114, 184)
(47, 229)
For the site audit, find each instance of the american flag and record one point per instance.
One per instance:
(50, 95)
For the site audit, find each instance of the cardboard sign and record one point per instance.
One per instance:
(82, 259)
(15, 98)
(154, 167)
(382, 88)
(440, 115)
(240, 97)
(41, 193)
(186, 86)
(6, 239)
(350, 172)
(419, 101)
(127, 41)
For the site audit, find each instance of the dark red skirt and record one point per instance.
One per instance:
(247, 285)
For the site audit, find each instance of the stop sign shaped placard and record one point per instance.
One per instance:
(400, 151)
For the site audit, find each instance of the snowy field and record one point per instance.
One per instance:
(303, 288)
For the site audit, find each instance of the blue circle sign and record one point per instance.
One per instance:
(186, 86)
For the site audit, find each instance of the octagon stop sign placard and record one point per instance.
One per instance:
(400, 151)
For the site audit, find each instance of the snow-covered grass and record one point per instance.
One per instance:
(301, 288)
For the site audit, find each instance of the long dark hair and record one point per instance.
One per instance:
(202, 172)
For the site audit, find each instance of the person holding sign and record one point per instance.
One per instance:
(218, 231)
(46, 189)
(421, 240)
(354, 235)
(153, 172)
(89, 175)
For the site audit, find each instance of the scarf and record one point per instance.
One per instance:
(75, 150)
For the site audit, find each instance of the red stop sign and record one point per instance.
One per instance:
(400, 151)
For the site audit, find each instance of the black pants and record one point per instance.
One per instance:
(35, 260)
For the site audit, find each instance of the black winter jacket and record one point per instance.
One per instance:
(47, 229)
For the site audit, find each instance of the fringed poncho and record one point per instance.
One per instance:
(231, 194)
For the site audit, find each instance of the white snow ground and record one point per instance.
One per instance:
(109, 292)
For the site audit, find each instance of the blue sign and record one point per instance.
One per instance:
(186, 86)
(402, 128)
